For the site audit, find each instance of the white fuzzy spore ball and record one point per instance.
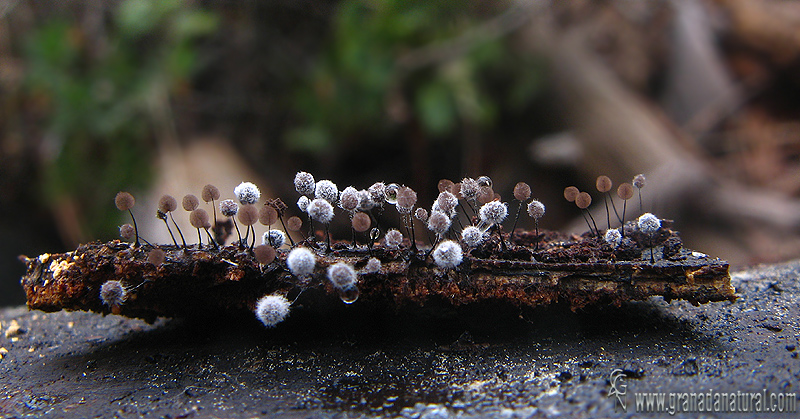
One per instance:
(320, 210)
(247, 193)
(447, 254)
(326, 190)
(228, 207)
(272, 309)
(438, 222)
(393, 239)
(113, 293)
(373, 266)
(613, 237)
(536, 209)
(648, 223)
(473, 236)
(342, 275)
(349, 199)
(274, 238)
(493, 212)
(304, 183)
(302, 203)
(301, 261)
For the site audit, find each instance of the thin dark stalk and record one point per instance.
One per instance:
(596, 230)
(514, 226)
(214, 207)
(280, 217)
(199, 239)
(614, 206)
(135, 227)
(211, 239)
(469, 219)
(536, 227)
(587, 222)
(238, 233)
(608, 213)
(500, 234)
(179, 230)
(641, 207)
(254, 238)
(170, 232)
(328, 235)
(624, 207)
(413, 234)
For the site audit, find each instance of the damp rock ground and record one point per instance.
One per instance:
(432, 362)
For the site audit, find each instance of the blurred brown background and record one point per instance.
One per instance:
(155, 97)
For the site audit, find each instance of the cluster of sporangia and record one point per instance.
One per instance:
(482, 209)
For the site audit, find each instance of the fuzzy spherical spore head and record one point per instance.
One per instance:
(648, 223)
(294, 223)
(167, 203)
(438, 222)
(361, 222)
(493, 212)
(301, 261)
(302, 203)
(124, 201)
(247, 193)
(156, 256)
(469, 189)
(472, 236)
(522, 191)
(274, 238)
(228, 207)
(377, 192)
(603, 183)
(613, 237)
(267, 215)
(349, 199)
(445, 185)
(373, 266)
(264, 253)
(272, 309)
(127, 232)
(447, 255)
(446, 201)
(571, 193)
(198, 218)
(113, 293)
(327, 190)
(365, 201)
(393, 239)
(342, 275)
(304, 183)
(536, 209)
(190, 202)
(248, 215)
(320, 210)
(421, 214)
(583, 200)
(210, 193)
(639, 181)
(625, 191)
(406, 199)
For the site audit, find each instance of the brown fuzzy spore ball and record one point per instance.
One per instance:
(570, 193)
(264, 254)
(190, 202)
(267, 215)
(361, 222)
(210, 193)
(167, 203)
(445, 185)
(124, 201)
(294, 223)
(199, 218)
(625, 191)
(583, 200)
(248, 215)
(603, 183)
(522, 191)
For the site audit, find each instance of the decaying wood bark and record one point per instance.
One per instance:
(577, 270)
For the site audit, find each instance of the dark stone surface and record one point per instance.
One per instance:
(478, 361)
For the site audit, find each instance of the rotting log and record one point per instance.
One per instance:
(577, 270)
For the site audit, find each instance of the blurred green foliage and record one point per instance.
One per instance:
(100, 95)
(359, 78)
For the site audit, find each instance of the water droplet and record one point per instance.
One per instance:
(484, 182)
(375, 234)
(391, 193)
(349, 295)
